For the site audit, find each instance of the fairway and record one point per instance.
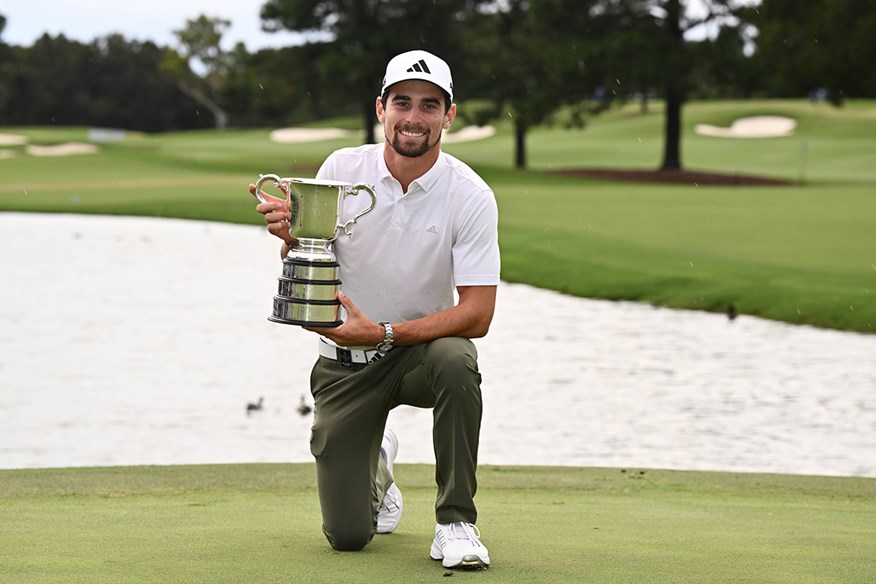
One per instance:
(803, 253)
(261, 523)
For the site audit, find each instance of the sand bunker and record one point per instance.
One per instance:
(466, 134)
(753, 127)
(469, 134)
(67, 149)
(12, 140)
(155, 352)
(295, 135)
(308, 134)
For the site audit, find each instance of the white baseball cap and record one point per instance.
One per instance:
(418, 65)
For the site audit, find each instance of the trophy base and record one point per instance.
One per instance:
(273, 318)
(317, 313)
(307, 290)
(313, 271)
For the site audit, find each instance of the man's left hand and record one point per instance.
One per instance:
(357, 331)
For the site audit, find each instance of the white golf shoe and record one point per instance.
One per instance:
(458, 545)
(390, 511)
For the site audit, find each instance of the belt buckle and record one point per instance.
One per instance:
(345, 358)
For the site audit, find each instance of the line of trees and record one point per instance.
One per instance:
(523, 59)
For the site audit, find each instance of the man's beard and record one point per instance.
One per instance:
(412, 149)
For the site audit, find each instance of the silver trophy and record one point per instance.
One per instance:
(308, 288)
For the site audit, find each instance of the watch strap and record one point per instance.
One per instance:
(386, 344)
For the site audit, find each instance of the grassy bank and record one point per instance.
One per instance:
(804, 253)
(260, 523)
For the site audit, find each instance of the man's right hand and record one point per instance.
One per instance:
(276, 212)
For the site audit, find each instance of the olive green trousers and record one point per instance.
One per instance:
(351, 406)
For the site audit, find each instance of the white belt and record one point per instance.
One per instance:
(361, 356)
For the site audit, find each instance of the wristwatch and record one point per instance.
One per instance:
(385, 345)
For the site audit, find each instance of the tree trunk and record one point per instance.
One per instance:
(219, 115)
(520, 129)
(674, 88)
(672, 131)
(368, 118)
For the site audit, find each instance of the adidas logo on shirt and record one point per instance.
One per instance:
(419, 67)
(432, 229)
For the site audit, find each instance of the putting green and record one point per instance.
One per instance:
(260, 523)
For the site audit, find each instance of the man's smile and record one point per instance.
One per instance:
(412, 133)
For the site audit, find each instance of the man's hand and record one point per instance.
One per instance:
(469, 319)
(276, 212)
(357, 331)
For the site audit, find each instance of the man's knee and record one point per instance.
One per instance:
(349, 538)
(454, 374)
(455, 357)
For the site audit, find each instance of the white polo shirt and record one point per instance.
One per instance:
(406, 257)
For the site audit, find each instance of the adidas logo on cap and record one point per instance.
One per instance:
(418, 65)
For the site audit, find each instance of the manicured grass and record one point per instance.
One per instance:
(260, 523)
(776, 252)
(804, 253)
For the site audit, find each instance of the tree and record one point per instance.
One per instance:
(52, 67)
(532, 58)
(199, 48)
(631, 68)
(560, 52)
(283, 86)
(126, 88)
(673, 21)
(722, 67)
(110, 82)
(4, 75)
(365, 34)
(822, 44)
(674, 85)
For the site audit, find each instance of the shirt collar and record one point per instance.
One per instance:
(382, 169)
(431, 176)
(426, 181)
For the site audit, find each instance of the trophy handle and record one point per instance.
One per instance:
(278, 182)
(354, 190)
